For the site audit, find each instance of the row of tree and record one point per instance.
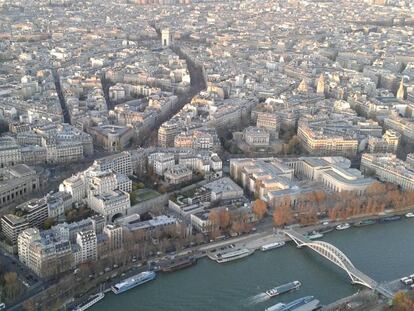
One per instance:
(308, 208)
(222, 221)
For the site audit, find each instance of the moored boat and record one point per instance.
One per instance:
(307, 303)
(409, 215)
(133, 281)
(179, 264)
(343, 226)
(279, 290)
(365, 222)
(270, 246)
(390, 218)
(233, 255)
(314, 235)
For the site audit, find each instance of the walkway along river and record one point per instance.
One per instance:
(383, 252)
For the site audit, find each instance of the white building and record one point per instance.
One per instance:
(256, 136)
(224, 189)
(114, 235)
(88, 246)
(110, 203)
(75, 186)
(161, 162)
(24, 240)
(178, 174)
(118, 163)
(388, 168)
(10, 152)
(334, 173)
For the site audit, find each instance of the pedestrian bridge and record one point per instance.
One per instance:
(337, 257)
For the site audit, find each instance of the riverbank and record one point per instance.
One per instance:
(265, 234)
(264, 270)
(379, 251)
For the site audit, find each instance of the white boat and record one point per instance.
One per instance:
(314, 235)
(343, 226)
(307, 303)
(90, 302)
(270, 246)
(133, 281)
(279, 290)
(233, 255)
(409, 215)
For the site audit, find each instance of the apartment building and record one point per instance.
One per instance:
(388, 168)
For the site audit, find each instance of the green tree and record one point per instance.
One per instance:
(48, 223)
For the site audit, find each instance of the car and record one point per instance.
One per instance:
(2, 306)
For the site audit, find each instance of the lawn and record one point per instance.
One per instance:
(144, 194)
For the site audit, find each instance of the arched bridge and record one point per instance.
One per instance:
(336, 256)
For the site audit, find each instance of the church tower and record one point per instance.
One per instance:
(401, 90)
(320, 87)
(303, 86)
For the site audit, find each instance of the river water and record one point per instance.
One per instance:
(382, 251)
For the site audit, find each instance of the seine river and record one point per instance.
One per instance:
(383, 251)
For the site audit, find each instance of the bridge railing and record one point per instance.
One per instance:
(336, 256)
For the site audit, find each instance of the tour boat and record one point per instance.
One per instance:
(307, 303)
(133, 281)
(270, 246)
(283, 289)
(233, 255)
